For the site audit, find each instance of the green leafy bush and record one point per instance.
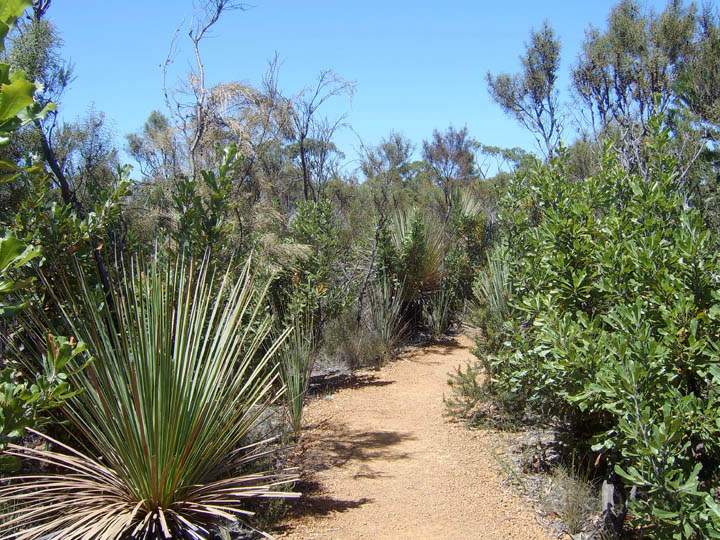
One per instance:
(310, 287)
(203, 206)
(14, 254)
(28, 391)
(613, 327)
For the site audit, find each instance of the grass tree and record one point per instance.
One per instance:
(180, 373)
(295, 361)
(437, 312)
(386, 317)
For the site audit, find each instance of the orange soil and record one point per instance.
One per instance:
(382, 461)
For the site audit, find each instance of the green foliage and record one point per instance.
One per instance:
(531, 96)
(469, 233)
(14, 254)
(57, 226)
(468, 390)
(491, 290)
(411, 253)
(26, 398)
(177, 381)
(613, 327)
(386, 317)
(203, 207)
(10, 11)
(295, 360)
(311, 287)
(17, 103)
(25, 404)
(437, 312)
(625, 75)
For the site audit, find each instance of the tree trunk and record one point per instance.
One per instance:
(69, 197)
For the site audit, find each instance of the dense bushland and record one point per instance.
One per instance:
(195, 301)
(601, 313)
(208, 284)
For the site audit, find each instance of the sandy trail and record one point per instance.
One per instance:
(382, 461)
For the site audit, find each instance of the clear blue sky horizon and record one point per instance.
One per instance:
(417, 65)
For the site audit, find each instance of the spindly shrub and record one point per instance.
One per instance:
(613, 327)
(352, 343)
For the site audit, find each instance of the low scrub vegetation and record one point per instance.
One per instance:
(603, 319)
(181, 370)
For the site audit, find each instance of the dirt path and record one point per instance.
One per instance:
(385, 463)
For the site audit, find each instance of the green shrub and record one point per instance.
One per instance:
(181, 372)
(311, 286)
(27, 392)
(438, 312)
(386, 316)
(295, 360)
(614, 328)
(14, 254)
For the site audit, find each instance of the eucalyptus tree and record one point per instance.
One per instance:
(78, 157)
(451, 157)
(531, 96)
(626, 74)
(698, 84)
(312, 133)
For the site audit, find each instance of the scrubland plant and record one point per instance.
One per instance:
(182, 369)
(437, 312)
(414, 255)
(386, 316)
(614, 330)
(491, 292)
(295, 360)
(352, 343)
(491, 288)
(28, 390)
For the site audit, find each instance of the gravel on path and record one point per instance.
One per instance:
(382, 461)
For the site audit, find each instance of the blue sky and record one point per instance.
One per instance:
(418, 65)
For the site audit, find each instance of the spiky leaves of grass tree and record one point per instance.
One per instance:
(438, 312)
(492, 286)
(492, 290)
(386, 314)
(295, 361)
(181, 372)
(420, 247)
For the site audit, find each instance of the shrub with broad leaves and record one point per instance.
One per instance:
(613, 327)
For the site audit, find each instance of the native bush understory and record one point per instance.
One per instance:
(162, 327)
(600, 314)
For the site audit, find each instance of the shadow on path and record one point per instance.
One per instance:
(330, 444)
(334, 382)
(315, 503)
